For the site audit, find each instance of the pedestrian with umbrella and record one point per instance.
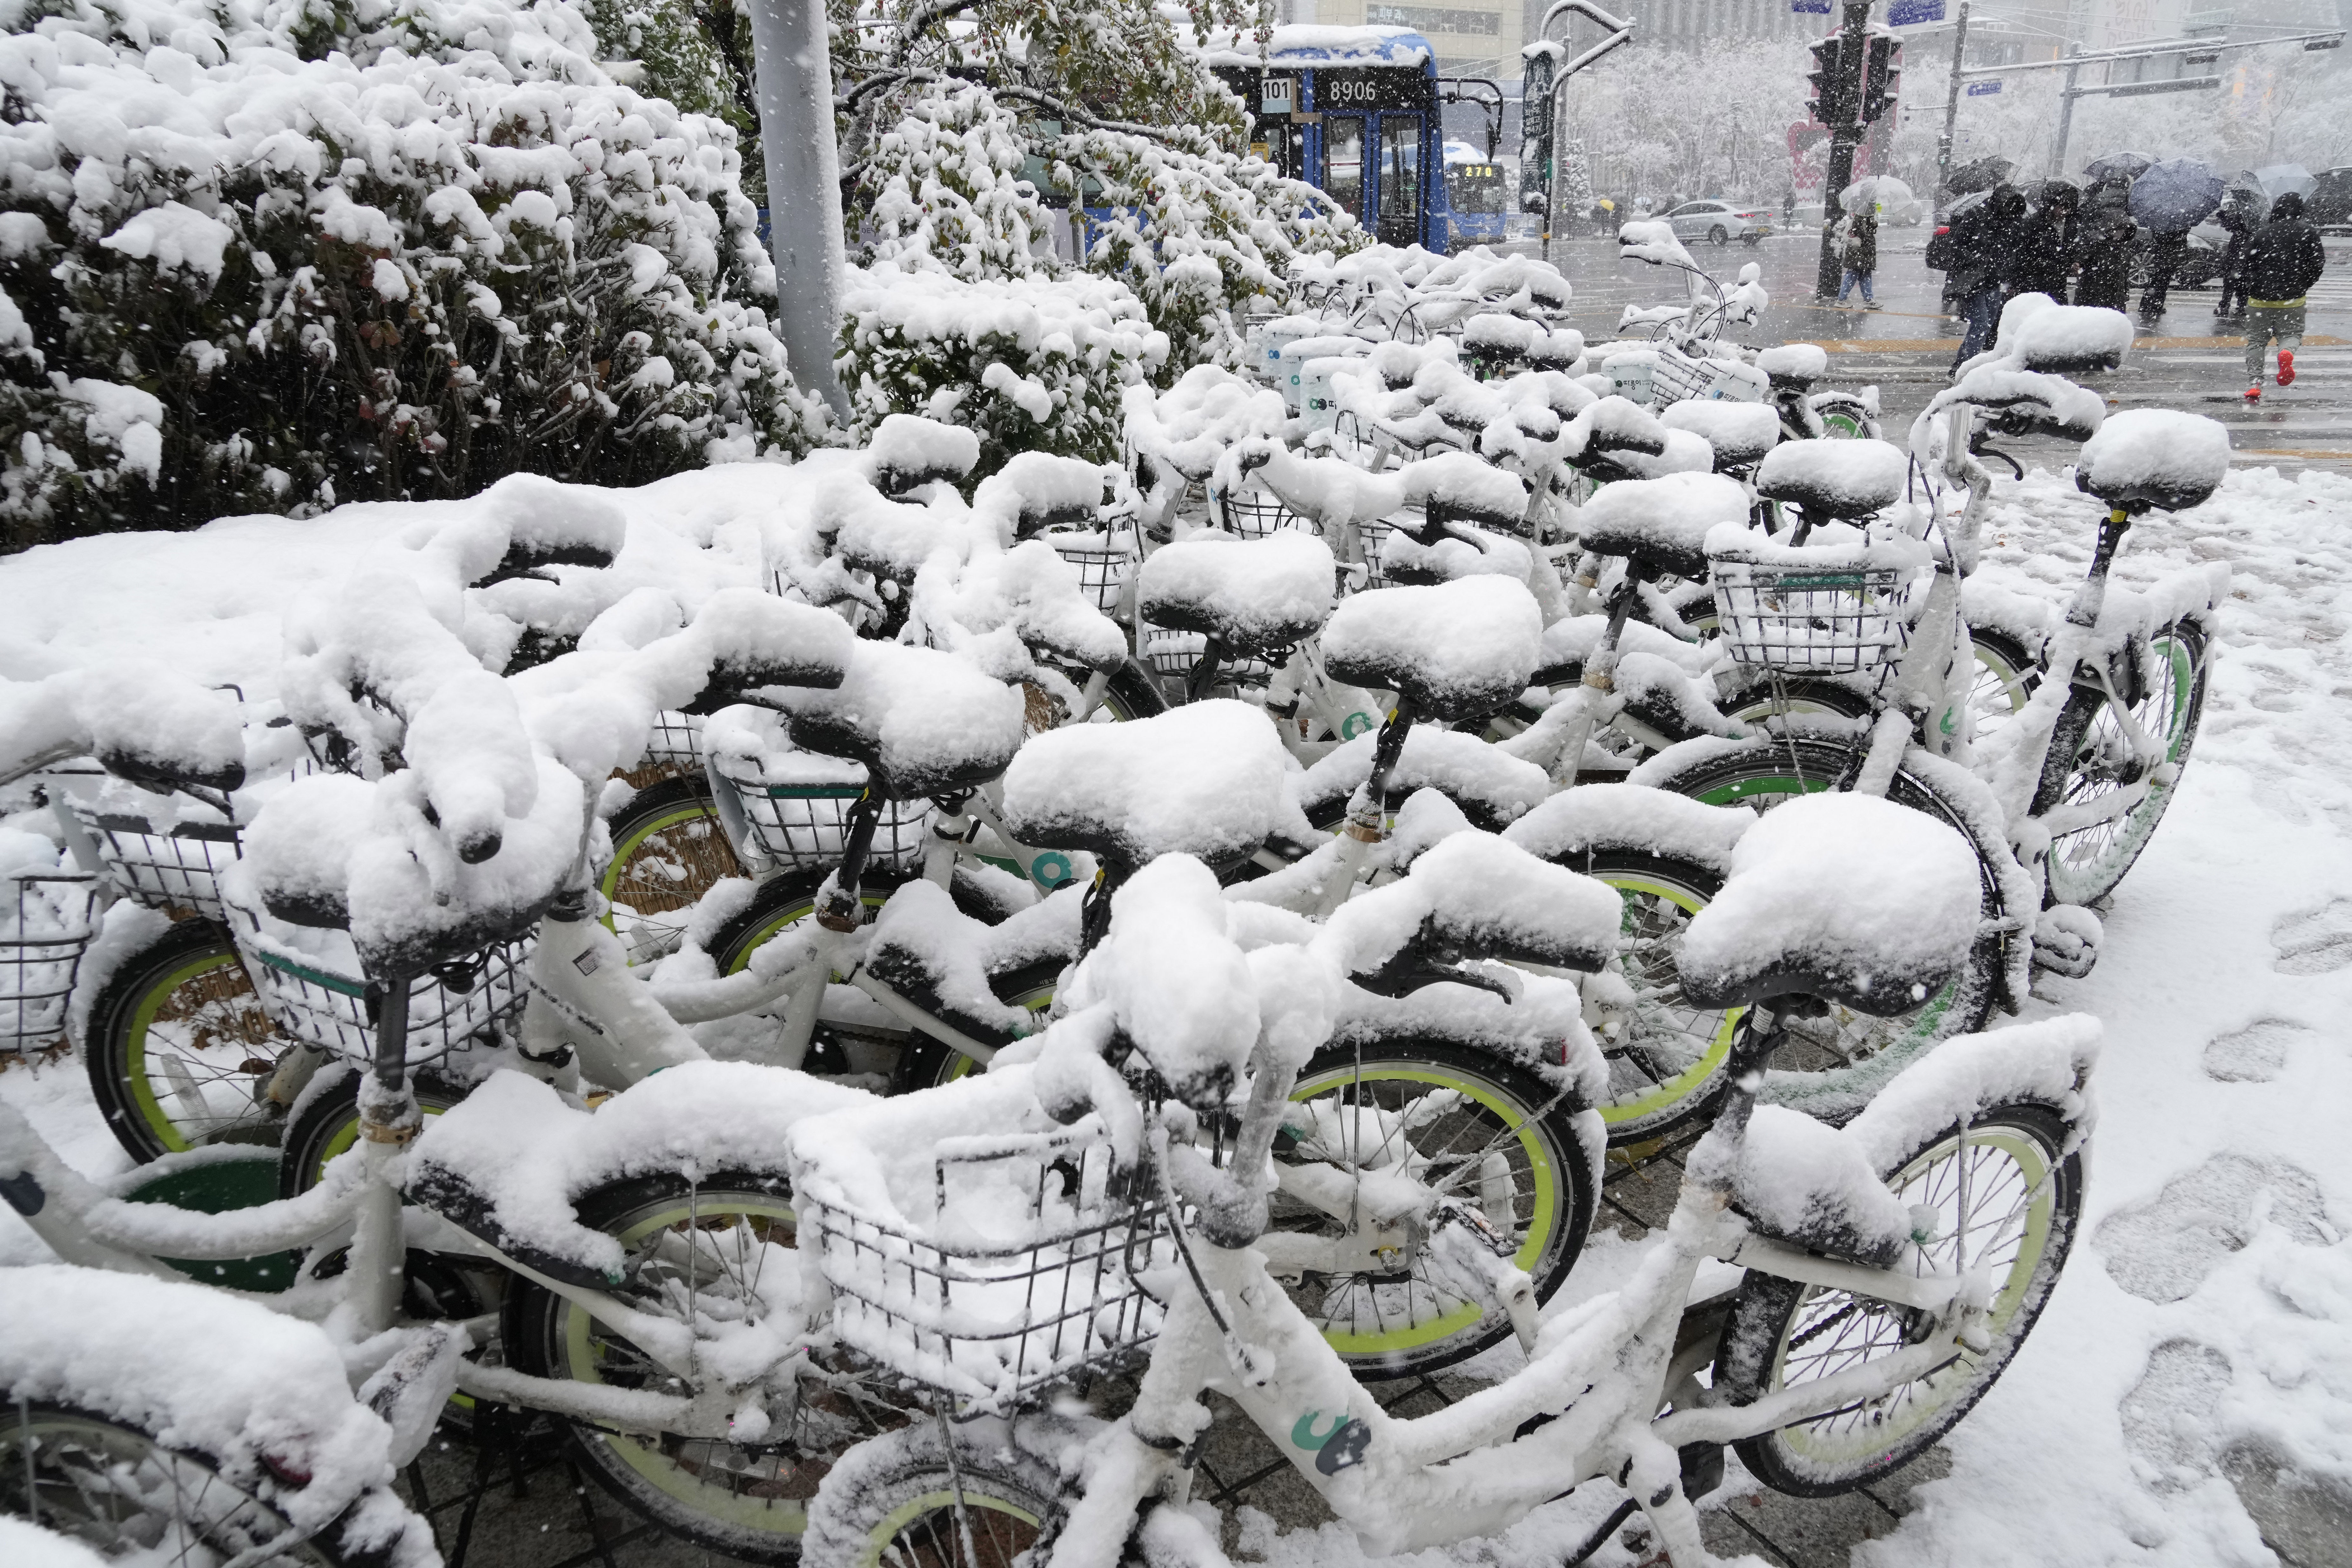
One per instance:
(2103, 245)
(2284, 258)
(2169, 198)
(1984, 257)
(1856, 237)
(2046, 242)
(2243, 210)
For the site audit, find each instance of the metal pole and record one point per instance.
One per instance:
(794, 72)
(1843, 140)
(2066, 97)
(1951, 106)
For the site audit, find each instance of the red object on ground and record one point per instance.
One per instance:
(2286, 367)
(2254, 393)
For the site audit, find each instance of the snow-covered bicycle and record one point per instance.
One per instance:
(1893, 1268)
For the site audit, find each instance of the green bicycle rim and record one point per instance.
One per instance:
(142, 1089)
(789, 915)
(1885, 1433)
(1618, 1112)
(774, 1517)
(878, 1542)
(684, 812)
(2133, 828)
(1521, 1120)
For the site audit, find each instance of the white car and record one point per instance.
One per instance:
(1720, 222)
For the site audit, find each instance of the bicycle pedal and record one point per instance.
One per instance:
(2066, 941)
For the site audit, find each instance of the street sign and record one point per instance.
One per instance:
(1983, 88)
(1905, 13)
(1810, 7)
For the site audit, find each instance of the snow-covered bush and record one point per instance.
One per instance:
(268, 258)
(1030, 364)
(1195, 231)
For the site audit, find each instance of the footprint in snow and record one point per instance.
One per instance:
(2173, 1422)
(2161, 1250)
(2316, 942)
(2255, 1054)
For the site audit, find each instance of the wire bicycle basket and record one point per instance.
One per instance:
(805, 825)
(43, 932)
(1105, 560)
(176, 872)
(1837, 618)
(988, 1321)
(1252, 514)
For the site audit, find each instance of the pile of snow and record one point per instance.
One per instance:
(2155, 456)
(1835, 479)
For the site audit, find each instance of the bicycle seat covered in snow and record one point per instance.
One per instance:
(1663, 524)
(1455, 650)
(1835, 479)
(908, 451)
(1253, 596)
(2155, 457)
(1741, 432)
(924, 723)
(1849, 898)
(1794, 367)
(1203, 780)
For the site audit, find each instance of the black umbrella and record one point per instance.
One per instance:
(2176, 195)
(2117, 167)
(1981, 174)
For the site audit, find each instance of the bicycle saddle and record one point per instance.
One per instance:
(923, 722)
(908, 450)
(1455, 650)
(1741, 432)
(1203, 780)
(1849, 898)
(1662, 523)
(1832, 478)
(2155, 457)
(551, 525)
(2065, 337)
(1793, 367)
(1255, 597)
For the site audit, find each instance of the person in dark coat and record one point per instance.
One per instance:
(2284, 258)
(1984, 255)
(2045, 244)
(2104, 247)
(1857, 243)
(2239, 218)
(2165, 254)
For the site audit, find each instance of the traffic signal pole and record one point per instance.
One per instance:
(1952, 105)
(1841, 95)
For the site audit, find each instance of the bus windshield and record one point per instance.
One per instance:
(1476, 189)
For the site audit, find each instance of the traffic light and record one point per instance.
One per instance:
(1882, 73)
(1832, 75)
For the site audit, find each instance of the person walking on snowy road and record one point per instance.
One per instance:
(1984, 254)
(2105, 247)
(2284, 258)
(2045, 244)
(2240, 217)
(1857, 243)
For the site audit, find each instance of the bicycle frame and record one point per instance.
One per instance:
(1585, 1407)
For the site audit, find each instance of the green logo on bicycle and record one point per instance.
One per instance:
(1051, 869)
(1356, 724)
(1337, 1446)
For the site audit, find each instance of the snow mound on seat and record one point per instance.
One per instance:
(1258, 594)
(1840, 478)
(927, 722)
(1665, 519)
(1739, 433)
(1457, 649)
(1599, 819)
(1463, 768)
(1872, 902)
(1798, 362)
(2168, 457)
(2063, 337)
(1686, 453)
(1205, 779)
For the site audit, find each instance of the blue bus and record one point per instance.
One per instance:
(1355, 112)
(1479, 190)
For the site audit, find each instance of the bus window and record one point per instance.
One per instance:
(1399, 173)
(1343, 162)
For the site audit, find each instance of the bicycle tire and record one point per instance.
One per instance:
(183, 1008)
(2006, 677)
(2087, 864)
(1814, 1457)
(746, 1500)
(1544, 1155)
(668, 850)
(1762, 774)
(780, 903)
(115, 1488)
(915, 1500)
(926, 1063)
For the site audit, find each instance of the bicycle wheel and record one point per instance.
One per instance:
(1665, 1055)
(698, 1252)
(1486, 1131)
(1798, 694)
(180, 1052)
(927, 1063)
(920, 1502)
(1765, 775)
(2005, 681)
(668, 850)
(2091, 762)
(2009, 1192)
(118, 1491)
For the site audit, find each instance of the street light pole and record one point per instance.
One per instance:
(1844, 139)
(1951, 106)
(793, 71)
(2065, 114)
